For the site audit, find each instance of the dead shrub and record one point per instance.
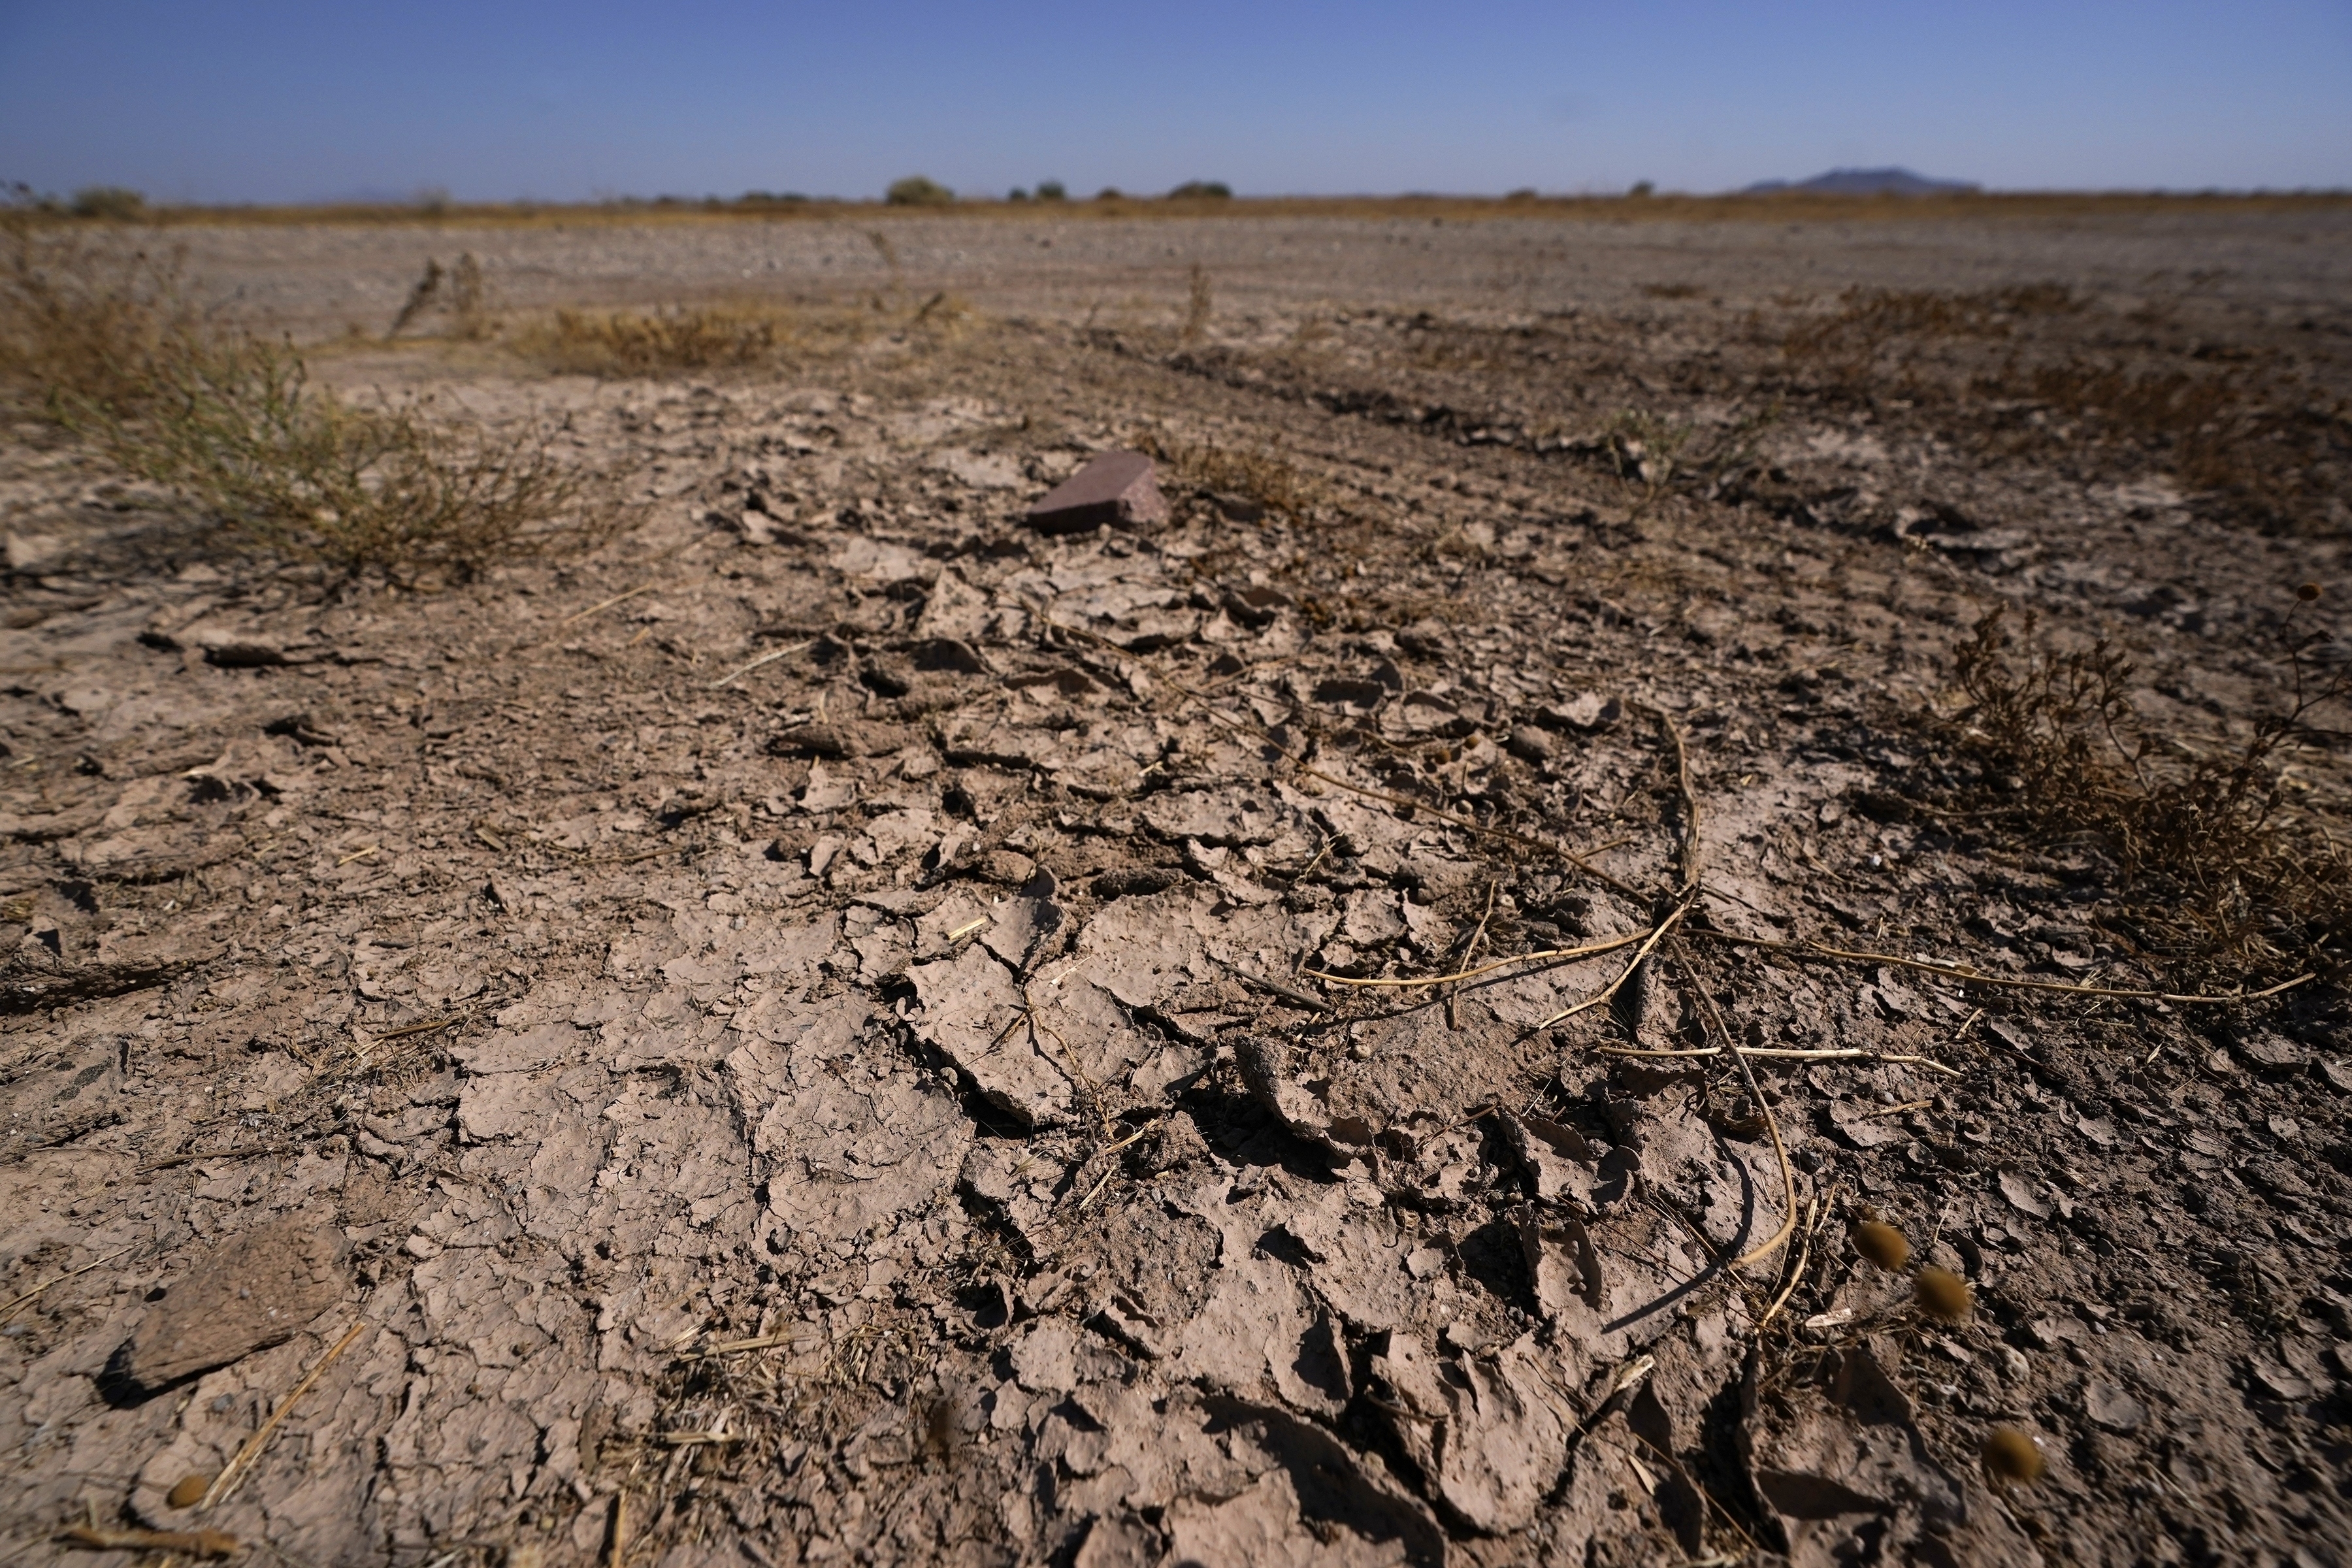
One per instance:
(916, 191)
(109, 342)
(469, 299)
(582, 343)
(1676, 455)
(1643, 447)
(1201, 301)
(461, 292)
(2212, 866)
(239, 431)
(2254, 440)
(112, 202)
(944, 312)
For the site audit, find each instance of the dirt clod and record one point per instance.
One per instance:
(252, 1291)
(874, 1032)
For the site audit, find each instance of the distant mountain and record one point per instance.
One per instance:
(1865, 183)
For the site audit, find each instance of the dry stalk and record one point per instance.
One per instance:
(1656, 934)
(1548, 955)
(1815, 1210)
(199, 1544)
(11, 1309)
(1778, 1053)
(233, 1474)
(1764, 1107)
(770, 657)
(1971, 976)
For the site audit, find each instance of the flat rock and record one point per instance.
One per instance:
(2113, 1407)
(1121, 488)
(2019, 1190)
(247, 1294)
(1586, 712)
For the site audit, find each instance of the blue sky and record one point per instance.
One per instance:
(495, 99)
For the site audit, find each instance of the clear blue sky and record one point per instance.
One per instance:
(502, 98)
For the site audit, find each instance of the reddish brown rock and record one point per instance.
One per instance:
(247, 1294)
(1121, 488)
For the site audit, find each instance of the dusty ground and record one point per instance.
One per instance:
(886, 1102)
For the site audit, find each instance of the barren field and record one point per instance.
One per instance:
(1368, 1023)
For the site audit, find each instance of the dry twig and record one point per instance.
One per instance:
(1550, 955)
(1969, 977)
(10, 1309)
(770, 657)
(233, 1474)
(207, 1544)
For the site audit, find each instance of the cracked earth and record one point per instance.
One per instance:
(835, 1028)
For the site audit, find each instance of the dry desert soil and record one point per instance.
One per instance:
(834, 1027)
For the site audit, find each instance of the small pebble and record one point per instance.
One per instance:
(2011, 1458)
(1942, 1294)
(1882, 1244)
(189, 1492)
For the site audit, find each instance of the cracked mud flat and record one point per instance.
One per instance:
(877, 1107)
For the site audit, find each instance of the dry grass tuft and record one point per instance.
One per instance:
(87, 317)
(1259, 477)
(2267, 447)
(2213, 865)
(582, 343)
(1198, 305)
(732, 1421)
(1848, 343)
(242, 434)
(108, 341)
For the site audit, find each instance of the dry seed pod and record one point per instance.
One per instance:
(2307, 592)
(1882, 1244)
(1942, 1294)
(188, 1491)
(2011, 1458)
